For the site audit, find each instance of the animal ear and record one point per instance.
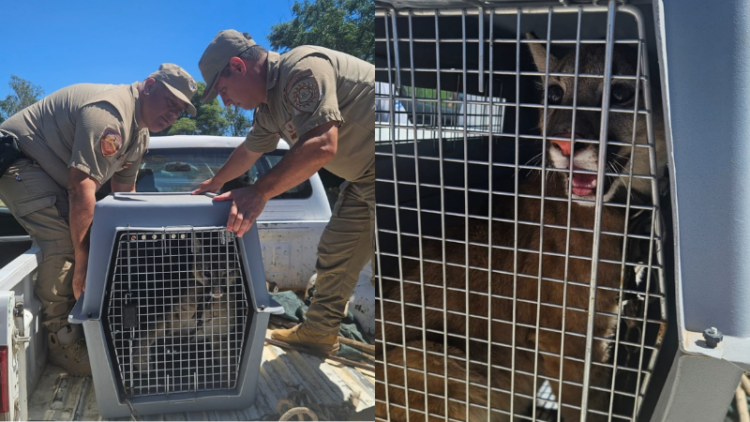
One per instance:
(539, 54)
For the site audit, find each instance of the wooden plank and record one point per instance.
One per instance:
(312, 374)
(340, 388)
(267, 390)
(281, 363)
(281, 390)
(196, 416)
(261, 405)
(280, 369)
(249, 414)
(41, 397)
(155, 417)
(90, 411)
(181, 416)
(59, 395)
(366, 395)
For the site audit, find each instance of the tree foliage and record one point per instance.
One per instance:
(183, 126)
(209, 119)
(344, 25)
(239, 124)
(24, 94)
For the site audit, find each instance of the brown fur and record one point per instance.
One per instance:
(552, 292)
(475, 289)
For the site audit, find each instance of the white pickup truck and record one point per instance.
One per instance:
(289, 230)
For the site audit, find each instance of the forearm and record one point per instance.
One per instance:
(82, 201)
(238, 163)
(303, 160)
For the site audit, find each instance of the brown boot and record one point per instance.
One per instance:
(301, 335)
(67, 349)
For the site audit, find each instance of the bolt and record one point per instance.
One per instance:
(713, 337)
(89, 314)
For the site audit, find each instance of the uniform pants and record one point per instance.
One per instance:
(41, 206)
(344, 249)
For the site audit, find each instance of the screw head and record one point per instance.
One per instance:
(89, 314)
(713, 337)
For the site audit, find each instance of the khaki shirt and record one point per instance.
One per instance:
(90, 127)
(310, 86)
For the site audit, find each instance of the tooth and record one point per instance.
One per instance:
(593, 183)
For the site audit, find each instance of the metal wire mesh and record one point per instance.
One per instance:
(519, 260)
(177, 311)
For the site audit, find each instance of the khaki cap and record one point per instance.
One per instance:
(179, 83)
(225, 45)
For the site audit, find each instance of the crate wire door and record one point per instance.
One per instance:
(423, 185)
(185, 291)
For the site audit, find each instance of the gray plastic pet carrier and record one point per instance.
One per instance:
(176, 308)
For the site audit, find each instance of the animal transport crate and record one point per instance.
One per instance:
(555, 239)
(176, 307)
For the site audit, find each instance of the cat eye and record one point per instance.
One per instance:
(554, 94)
(621, 94)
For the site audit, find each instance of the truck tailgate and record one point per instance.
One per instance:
(290, 250)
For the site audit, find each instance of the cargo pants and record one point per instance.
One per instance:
(344, 249)
(41, 206)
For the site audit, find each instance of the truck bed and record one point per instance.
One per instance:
(60, 397)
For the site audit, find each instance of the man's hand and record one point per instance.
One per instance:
(247, 205)
(210, 185)
(79, 282)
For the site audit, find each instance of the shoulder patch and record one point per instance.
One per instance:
(303, 92)
(111, 142)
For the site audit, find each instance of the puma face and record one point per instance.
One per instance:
(213, 268)
(579, 140)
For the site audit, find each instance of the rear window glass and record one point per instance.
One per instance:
(183, 169)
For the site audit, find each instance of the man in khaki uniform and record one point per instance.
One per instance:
(323, 103)
(73, 141)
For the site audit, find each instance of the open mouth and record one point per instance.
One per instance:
(583, 184)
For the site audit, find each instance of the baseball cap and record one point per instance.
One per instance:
(225, 45)
(179, 83)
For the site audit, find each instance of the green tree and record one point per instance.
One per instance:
(238, 121)
(183, 126)
(344, 25)
(24, 94)
(209, 119)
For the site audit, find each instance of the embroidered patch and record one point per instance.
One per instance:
(111, 142)
(303, 92)
(289, 126)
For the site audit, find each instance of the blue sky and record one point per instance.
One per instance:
(54, 44)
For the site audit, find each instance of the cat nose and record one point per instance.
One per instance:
(564, 146)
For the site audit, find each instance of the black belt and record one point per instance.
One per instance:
(9, 152)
